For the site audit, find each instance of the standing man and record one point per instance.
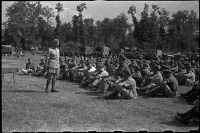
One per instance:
(52, 65)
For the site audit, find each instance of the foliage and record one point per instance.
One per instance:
(29, 25)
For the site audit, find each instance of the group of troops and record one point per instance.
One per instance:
(119, 77)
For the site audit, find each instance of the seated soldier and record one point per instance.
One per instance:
(145, 70)
(41, 68)
(174, 67)
(103, 73)
(168, 87)
(125, 88)
(193, 113)
(181, 70)
(30, 67)
(79, 72)
(192, 95)
(187, 78)
(63, 67)
(151, 82)
(115, 75)
(91, 77)
(72, 66)
(137, 76)
(108, 65)
(86, 73)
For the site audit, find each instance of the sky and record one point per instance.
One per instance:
(98, 10)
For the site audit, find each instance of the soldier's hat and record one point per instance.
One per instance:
(155, 66)
(127, 71)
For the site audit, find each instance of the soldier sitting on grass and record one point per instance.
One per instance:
(78, 73)
(125, 88)
(192, 94)
(168, 87)
(40, 68)
(192, 113)
(137, 75)
(187, 78)
(30, 67)
(115, 75)
(73, 65)
(92, 76)
(103, 73)
(86, 74)
(63, 67)
(152, 81)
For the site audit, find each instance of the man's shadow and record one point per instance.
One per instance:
(179, 99)
(23, 91)
(176, 123)
(89, 93)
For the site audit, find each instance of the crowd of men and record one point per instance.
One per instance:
(119, 77)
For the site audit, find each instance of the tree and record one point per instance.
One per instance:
(80, 9)
(27, 18)
(144, 27)
(75, 28)
(163, 22)
(132, 12)
(153, 24)
(58, 22)
(89, 30)
(182, 26)
(120, 27)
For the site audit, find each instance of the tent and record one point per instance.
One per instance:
(101, 50)
(6, 49)
(88, 50)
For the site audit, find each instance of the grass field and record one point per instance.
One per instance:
(26, 107)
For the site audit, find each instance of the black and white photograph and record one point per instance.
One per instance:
(101, 66)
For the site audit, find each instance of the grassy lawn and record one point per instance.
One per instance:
(26, 107)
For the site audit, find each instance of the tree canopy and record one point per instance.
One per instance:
(29, 25)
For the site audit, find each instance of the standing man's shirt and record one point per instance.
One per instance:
(53, 58)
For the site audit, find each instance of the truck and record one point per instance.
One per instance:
(7, 49)
(101, 51)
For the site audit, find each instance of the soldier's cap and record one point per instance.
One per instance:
(155, 66)
(127, 71)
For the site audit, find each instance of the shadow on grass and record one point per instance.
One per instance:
(176, 123)
(89, 93)
(179, 99)
(23, 91)
(61, 105)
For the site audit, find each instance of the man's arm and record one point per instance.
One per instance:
(47, 58)
(27, 66)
